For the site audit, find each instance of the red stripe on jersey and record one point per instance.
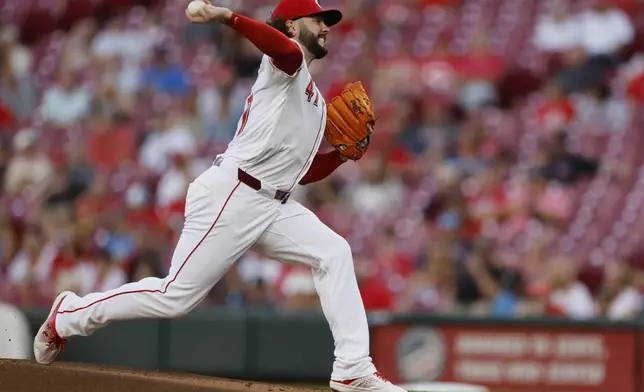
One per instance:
(249, 102)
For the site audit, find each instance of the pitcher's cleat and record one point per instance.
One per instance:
(47, 343)
(372, 382)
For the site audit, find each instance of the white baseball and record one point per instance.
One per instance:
(195, 6)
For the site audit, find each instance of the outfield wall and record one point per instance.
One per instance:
(544, 355)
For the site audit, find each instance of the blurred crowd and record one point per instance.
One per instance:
(505, 153)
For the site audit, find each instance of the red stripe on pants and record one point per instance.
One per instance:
(165, 289)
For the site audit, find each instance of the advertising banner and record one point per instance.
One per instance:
(511, 358)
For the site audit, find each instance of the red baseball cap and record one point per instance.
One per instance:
(294, 9)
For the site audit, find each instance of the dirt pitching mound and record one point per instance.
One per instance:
(28, 376)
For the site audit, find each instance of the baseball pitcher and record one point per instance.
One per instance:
(242, 201)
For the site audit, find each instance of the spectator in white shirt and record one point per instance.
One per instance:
(17, 90)
(174, 182)
(31, 269)
(98, 274)
(66, 102)
(380, 192)
(618, 297)
(76, 54)
(568, 296)
(124, 48)
(171, 136)
(131, 45)
(29, 171)
(298, 290)
(20, 58)
(558, 31)
(220, 106)
(606, 30)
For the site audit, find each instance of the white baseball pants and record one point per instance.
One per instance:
(223, 219)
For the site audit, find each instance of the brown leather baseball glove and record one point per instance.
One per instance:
(350, 121)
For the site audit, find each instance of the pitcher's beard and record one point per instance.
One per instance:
(310, 42)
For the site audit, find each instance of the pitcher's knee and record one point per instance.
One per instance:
(179, 302)
(176, 308)
(338, 252)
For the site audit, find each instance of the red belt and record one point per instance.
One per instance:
(256, 184)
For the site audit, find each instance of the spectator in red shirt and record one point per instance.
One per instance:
(480, 63)
(114, 131)
(98, 202)
(556, 112)
(479, 69)
(635, 87)
(440, 68)
(487, 203)
(632, 75)
(6, 117)
(375, 295)
(139, 209)
(391, 262)
(384, 276)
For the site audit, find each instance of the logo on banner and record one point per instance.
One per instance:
(421, 354)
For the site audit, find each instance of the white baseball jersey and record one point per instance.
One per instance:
(281, 128)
